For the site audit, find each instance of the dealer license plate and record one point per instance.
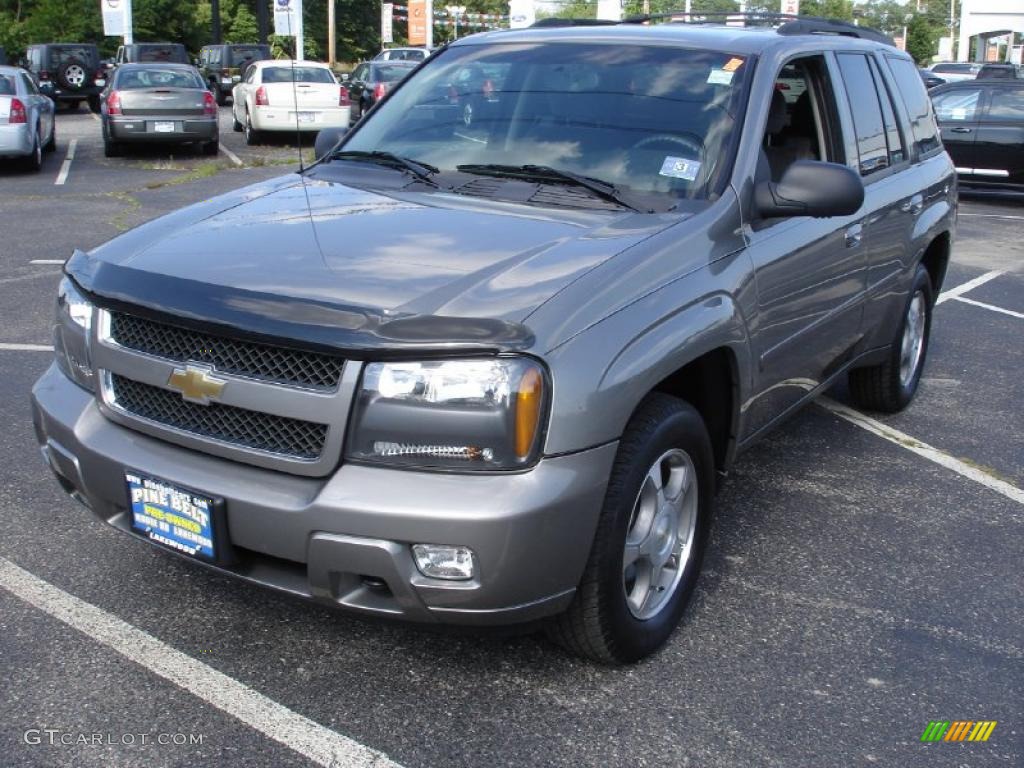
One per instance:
(172, 516)
(161, 127)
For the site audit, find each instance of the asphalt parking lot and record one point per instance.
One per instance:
(864, 575)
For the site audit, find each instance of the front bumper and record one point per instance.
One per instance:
(141, 129)
(345, 540)
(15, 140)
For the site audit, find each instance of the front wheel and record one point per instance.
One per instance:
(650, 537)
(252, 136)
(890, 386)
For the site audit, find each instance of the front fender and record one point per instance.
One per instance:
(631, 352)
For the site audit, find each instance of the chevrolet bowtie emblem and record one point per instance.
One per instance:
(196, 384)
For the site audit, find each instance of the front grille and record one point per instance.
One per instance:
(249, 429)
(244, 358)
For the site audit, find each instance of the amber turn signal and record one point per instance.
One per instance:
(528, 403)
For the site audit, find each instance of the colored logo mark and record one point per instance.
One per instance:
(958, 730)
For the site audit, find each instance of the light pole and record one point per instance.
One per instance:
(456, 11)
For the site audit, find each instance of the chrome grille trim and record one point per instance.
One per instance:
(275, 402)
(280, 365)
(280, 435)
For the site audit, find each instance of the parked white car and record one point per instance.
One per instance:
(955, 71)
(285, 95)
(27, 127)
(403, 54)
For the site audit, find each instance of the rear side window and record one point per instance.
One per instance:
(7, 87)
(1006, 104)
(923, 128)
(958, 105)
(240, 53)
(867, 113)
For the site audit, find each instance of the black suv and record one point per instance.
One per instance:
(982, 123)
(164, 53)
(68, 73)
(222, 66)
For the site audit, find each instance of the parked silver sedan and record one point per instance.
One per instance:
(158, 103)
(27, 126)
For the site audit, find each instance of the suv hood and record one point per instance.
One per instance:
(355, 269)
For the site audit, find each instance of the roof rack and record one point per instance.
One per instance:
(787, 24)
(558, 22)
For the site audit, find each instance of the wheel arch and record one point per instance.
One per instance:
(935, 259)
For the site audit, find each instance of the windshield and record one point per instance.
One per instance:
(162, 53)
(645, 118)
(158, 78)
(301, 75)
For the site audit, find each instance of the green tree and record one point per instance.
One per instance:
(828, 9)
(921, 39)
(244, 28)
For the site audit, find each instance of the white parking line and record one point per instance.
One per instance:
(26, 347)
(66, 166)
(994, 216)
(310, 739)
(923, 449)
(231, 155)
(47, 261)
(94, 116)
(970, 285)
(990, 307)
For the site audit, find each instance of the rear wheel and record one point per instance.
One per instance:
(34, 161)
(94, 104)
(51, 145)
(111, 148)
(211, 147)
(221, 97)
(650, 538)
(252, 136)
(890, 386)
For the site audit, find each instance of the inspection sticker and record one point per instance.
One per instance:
(680, 168)
(720, 77)
(732, 64)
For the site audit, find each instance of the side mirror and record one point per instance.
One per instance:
(327, 140)
(811, 188)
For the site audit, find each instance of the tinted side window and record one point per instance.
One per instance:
(923, 127)
(867, 114)
(893, 137)
(958, 105)
(1006, 104)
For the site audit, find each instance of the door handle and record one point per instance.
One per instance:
(854, 235)
(959, 130)
(914, 205)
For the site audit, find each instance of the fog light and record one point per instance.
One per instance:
(440, 561)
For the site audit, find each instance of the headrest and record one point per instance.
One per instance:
(776, 114)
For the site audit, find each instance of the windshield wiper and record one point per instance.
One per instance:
(422, 171)
(601, 189)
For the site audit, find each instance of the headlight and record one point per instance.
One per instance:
(450, 414)
(71, 334)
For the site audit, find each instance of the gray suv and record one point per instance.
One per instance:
(494, 374)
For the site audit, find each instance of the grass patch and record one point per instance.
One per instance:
(132, 205)
(201, 171)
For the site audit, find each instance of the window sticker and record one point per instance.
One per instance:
(720, 77)
(733, 64)
(680, 168)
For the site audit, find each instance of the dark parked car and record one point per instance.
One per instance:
(497, 378)
(3, 56)
(69, 73)
(158, 103)
(371, 80)
(999, 72)
(162, 53)
(982, 124)
(930, 80)
(222, 66)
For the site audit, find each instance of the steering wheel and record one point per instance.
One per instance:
(694, 151)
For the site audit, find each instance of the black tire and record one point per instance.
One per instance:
(219, 94)
(94, 104)
(252, 136)
(599, 624)
(235, 125)
(882, 387)
(34, 162)
(51, 145)
(111, 148)
(211, 148)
